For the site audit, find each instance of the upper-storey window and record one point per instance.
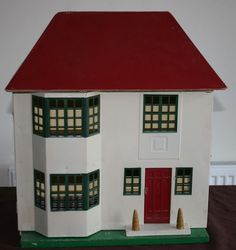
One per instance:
(66, 116)
(38, 115)
(94, 114)
(160, 113)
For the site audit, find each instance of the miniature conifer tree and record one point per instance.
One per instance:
(180, 219)
(135, 221)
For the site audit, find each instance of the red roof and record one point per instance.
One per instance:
(106, 51)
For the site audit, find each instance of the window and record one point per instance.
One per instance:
(38, 115)
(66, 192)
(183, 183)
(57, 117)
(39, 189)
(65, 117)
(74, 191)
(93, 114)
(132, 181)
(160, 113)
(93, 188)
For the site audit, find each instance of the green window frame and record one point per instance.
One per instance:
(73, 192)
(132, 181)
(93, 189)
(38, 115)
(39, 189)
(63, 117)
(94, 114)
(66, 192)
(183, 181)
(160, 113)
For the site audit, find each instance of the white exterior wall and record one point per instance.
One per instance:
(72, 156)
(121, 144)
(122, 138)
(24, 161)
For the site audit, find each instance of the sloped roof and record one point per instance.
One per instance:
(107, 51)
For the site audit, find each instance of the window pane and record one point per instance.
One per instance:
(70, 113)
(148, 99)
(78, 122)
(52, 113)
(164, 117)
(155, 100)
(172, 108)
(147, 117)
(164, 108)
(128, 180)
(40, 111)
(60, 112)
(155, 108)
(165, 100)
(90, 111)
(70, 122)
(147, 125)
(54, 188)
(36, 110)
(70, 103)
(78, 113)
(148, 108)
(60, 103)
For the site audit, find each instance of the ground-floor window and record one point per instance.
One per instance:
(74, 191)
(183, 181)
(93, 188)
(66, 192)
(39, 189)
(132, 181)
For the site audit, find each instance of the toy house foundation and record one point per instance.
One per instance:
(124, 126)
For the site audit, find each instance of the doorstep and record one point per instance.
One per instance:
(31, 239)
(158, 229)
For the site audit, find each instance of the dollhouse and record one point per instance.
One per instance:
(112, 112)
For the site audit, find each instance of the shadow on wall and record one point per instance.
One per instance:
(7, 176)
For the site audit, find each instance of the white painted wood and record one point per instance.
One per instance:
(74, 223)
(24, 161)
(157, 229)
(159, 145)
(115, 148)
(67, 155)
(121, 127)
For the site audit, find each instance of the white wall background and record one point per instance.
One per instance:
(209, 23)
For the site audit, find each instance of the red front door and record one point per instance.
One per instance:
(157, 195)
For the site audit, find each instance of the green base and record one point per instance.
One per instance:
(111, 238)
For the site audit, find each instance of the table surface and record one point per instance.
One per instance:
(221, 222)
